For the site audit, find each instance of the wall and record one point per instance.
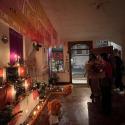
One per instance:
(4, 48)
(42, 64)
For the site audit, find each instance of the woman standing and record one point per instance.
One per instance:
(92, 76)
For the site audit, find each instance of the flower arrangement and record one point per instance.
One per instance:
(53, 78)
(6, 115)
(94, 69)
(67, 90)
(54, 106)
(54, 109)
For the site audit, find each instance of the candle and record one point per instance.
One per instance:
(26, 84)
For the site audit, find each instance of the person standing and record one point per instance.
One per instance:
(106, 84)
(91, 76)
(118, 72)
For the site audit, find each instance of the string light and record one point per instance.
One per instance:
(18, 64)
(15, 56)
(37, 98)
(26, 84)
(42, 102)
(18, 57)
(38, 107)
(21, 98)
(26, 111)
(34, 113)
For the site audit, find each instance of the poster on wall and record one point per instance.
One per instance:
(57, 59)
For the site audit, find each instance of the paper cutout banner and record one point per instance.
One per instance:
(29, 18)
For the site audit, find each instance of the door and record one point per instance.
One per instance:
(79, 55)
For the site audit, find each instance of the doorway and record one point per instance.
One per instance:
(79, 55)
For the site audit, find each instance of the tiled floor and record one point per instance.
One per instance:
(77, 109)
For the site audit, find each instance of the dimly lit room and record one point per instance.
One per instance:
(62, 62)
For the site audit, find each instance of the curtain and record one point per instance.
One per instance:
(16, 45)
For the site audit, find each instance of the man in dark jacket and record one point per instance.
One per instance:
(119, 74)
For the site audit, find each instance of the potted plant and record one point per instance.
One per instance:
(53, 78)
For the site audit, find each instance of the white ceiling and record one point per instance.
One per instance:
(81, 20)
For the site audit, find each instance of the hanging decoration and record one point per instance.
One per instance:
(36, 46)
(4, 38)
(29, 18)
(54, 38)
(47, 39)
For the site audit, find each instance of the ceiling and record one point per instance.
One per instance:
(86, 19)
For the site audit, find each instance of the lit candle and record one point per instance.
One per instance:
(18, 58)
(37, 98)
(18, 64)
(21, 71)
(15, 57)
(38, 107)
(13, 92)
(26, 84)
(4, 74)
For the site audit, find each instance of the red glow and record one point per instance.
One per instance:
(1, 72)
(10, 93)
(35, 94)
(22, 71)
(29, 82)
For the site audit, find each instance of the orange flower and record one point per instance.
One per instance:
(54, 107)
(67, 90)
